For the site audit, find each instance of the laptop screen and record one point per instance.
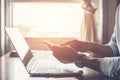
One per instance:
(20, 44)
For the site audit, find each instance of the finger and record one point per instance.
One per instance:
(57, 56)
(66, 43)
(66, 61)
(62, 60)
(55, 48)
(70, 43)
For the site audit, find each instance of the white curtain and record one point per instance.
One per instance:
(88, 28)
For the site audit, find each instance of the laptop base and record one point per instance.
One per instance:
(57, 74)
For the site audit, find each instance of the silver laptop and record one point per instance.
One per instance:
(44, 65)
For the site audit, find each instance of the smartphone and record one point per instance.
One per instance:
(48, 43)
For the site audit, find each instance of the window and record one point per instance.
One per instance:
(47, 19)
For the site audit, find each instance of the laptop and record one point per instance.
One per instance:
(44, 65)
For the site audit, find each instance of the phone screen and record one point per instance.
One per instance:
(48, 43)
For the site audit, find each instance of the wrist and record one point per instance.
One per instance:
(79, 60)
(91, 46)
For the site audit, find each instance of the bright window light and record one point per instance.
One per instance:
(43, 19)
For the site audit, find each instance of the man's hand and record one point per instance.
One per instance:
(78, 45)
(64, 54)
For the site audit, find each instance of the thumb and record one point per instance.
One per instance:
(54, 48)
(69, 43)
(66, 44)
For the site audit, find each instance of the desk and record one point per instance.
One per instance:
(11, 68)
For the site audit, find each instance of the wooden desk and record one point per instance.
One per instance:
(11, 68)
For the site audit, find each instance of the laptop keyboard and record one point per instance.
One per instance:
(46, 66)
(46, 63)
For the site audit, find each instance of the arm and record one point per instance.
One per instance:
(88, 61)
(109, 66)
(114, 42)
(101, 50)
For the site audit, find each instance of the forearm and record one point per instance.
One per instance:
(101, 50)
(91, 62)
(109, 66)
(98, 49)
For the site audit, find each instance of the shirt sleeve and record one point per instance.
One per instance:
(110, 66)
(113, 44)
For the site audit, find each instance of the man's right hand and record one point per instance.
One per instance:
(78, 45)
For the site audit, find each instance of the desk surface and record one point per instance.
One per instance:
(11, 68)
